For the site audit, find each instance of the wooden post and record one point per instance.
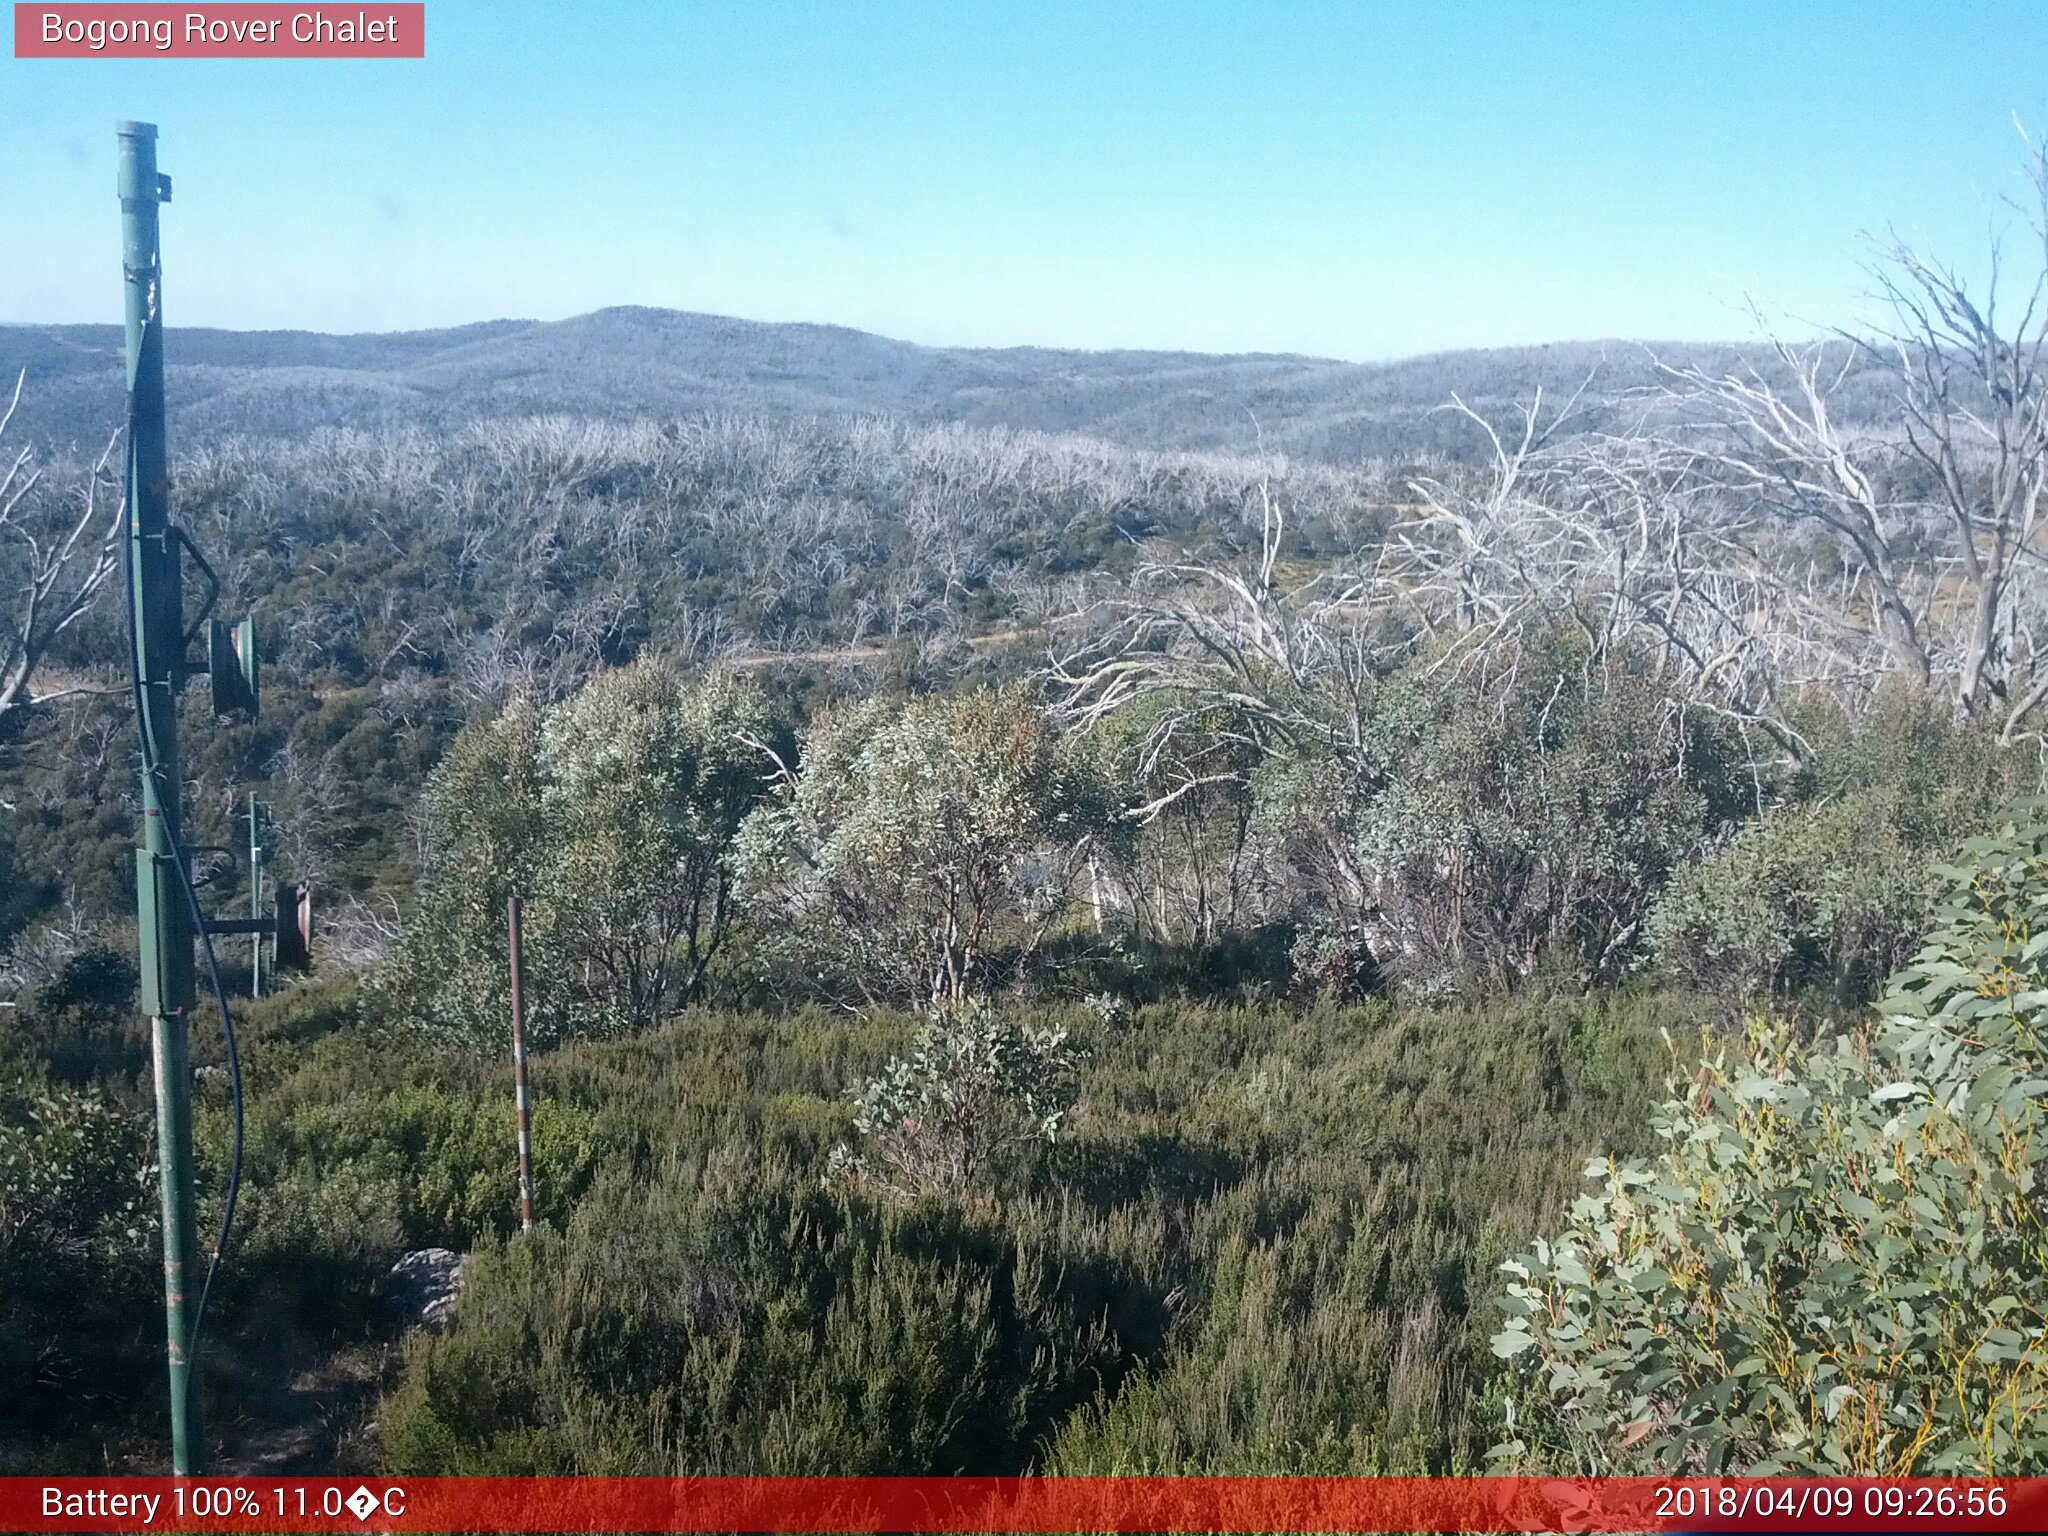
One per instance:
(512, 922)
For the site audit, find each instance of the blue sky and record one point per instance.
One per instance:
(1359, 180)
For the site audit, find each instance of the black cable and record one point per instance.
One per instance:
(152, 765)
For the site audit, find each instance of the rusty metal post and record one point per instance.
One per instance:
(523, 1103)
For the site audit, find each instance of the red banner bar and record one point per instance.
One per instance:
(372, 30)
(1029, 1504)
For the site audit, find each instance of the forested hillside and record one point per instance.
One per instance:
(1090, 913)
(625, 364)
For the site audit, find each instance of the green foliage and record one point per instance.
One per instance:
(407, 581)
(1831, 888)
(76, 1172)
(739, 1320)
(77, 1219)
(1184, 849)
(1246, 1209)
(21, 892)
(1292, 1371)
(1254, 1246)
(1831, 894)
(80, 1021)
(613, 814)
(364, 1143)
(1838, 1265)
(976, 1088)
(921, 851)
(1499, 818)
(645, 781)
(424, 1165)
(1260, 1240)
(1951, 779)
(484, 840)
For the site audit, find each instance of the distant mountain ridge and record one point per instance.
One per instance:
(628, 362)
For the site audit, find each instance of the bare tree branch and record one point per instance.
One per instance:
(62, 548)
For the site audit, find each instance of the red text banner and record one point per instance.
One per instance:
(234, 31)
(1042, 1504)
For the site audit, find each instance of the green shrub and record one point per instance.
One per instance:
(1285, 1213)
(428, 1164)
(646, 777)
(481, 814)
(1831, 888)
(81, 1022)
(1181, 864)
(741, 1320)
(1256, 1245)
(1838, 1263)
(1495, 823)
(922, 852)
(1291, 1366)
(1832, 894)
(976, 1089)
(77, 1219)
(76, 1171)
(1951, 779)
(613, 813)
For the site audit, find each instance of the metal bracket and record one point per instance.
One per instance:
(166, 979)
(291, 924)
(262, 925)
(184, 542)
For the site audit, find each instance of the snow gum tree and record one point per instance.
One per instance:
(614, 813)
(921, 851)
(1838, 1264)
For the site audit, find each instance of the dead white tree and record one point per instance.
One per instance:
(1777, 444)
(1975, 402)
(62, 548)
(1817, 521)
(1644, 542)
(1224, 665)
(1934, 512)
(1288, 655)
(1634, 540)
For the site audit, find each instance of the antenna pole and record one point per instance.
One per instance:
(156, 602)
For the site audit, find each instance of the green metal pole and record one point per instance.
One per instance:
(156, 599)
(255, 896)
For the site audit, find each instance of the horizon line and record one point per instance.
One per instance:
(927, 346)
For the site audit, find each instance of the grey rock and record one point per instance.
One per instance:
(425, 1284)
